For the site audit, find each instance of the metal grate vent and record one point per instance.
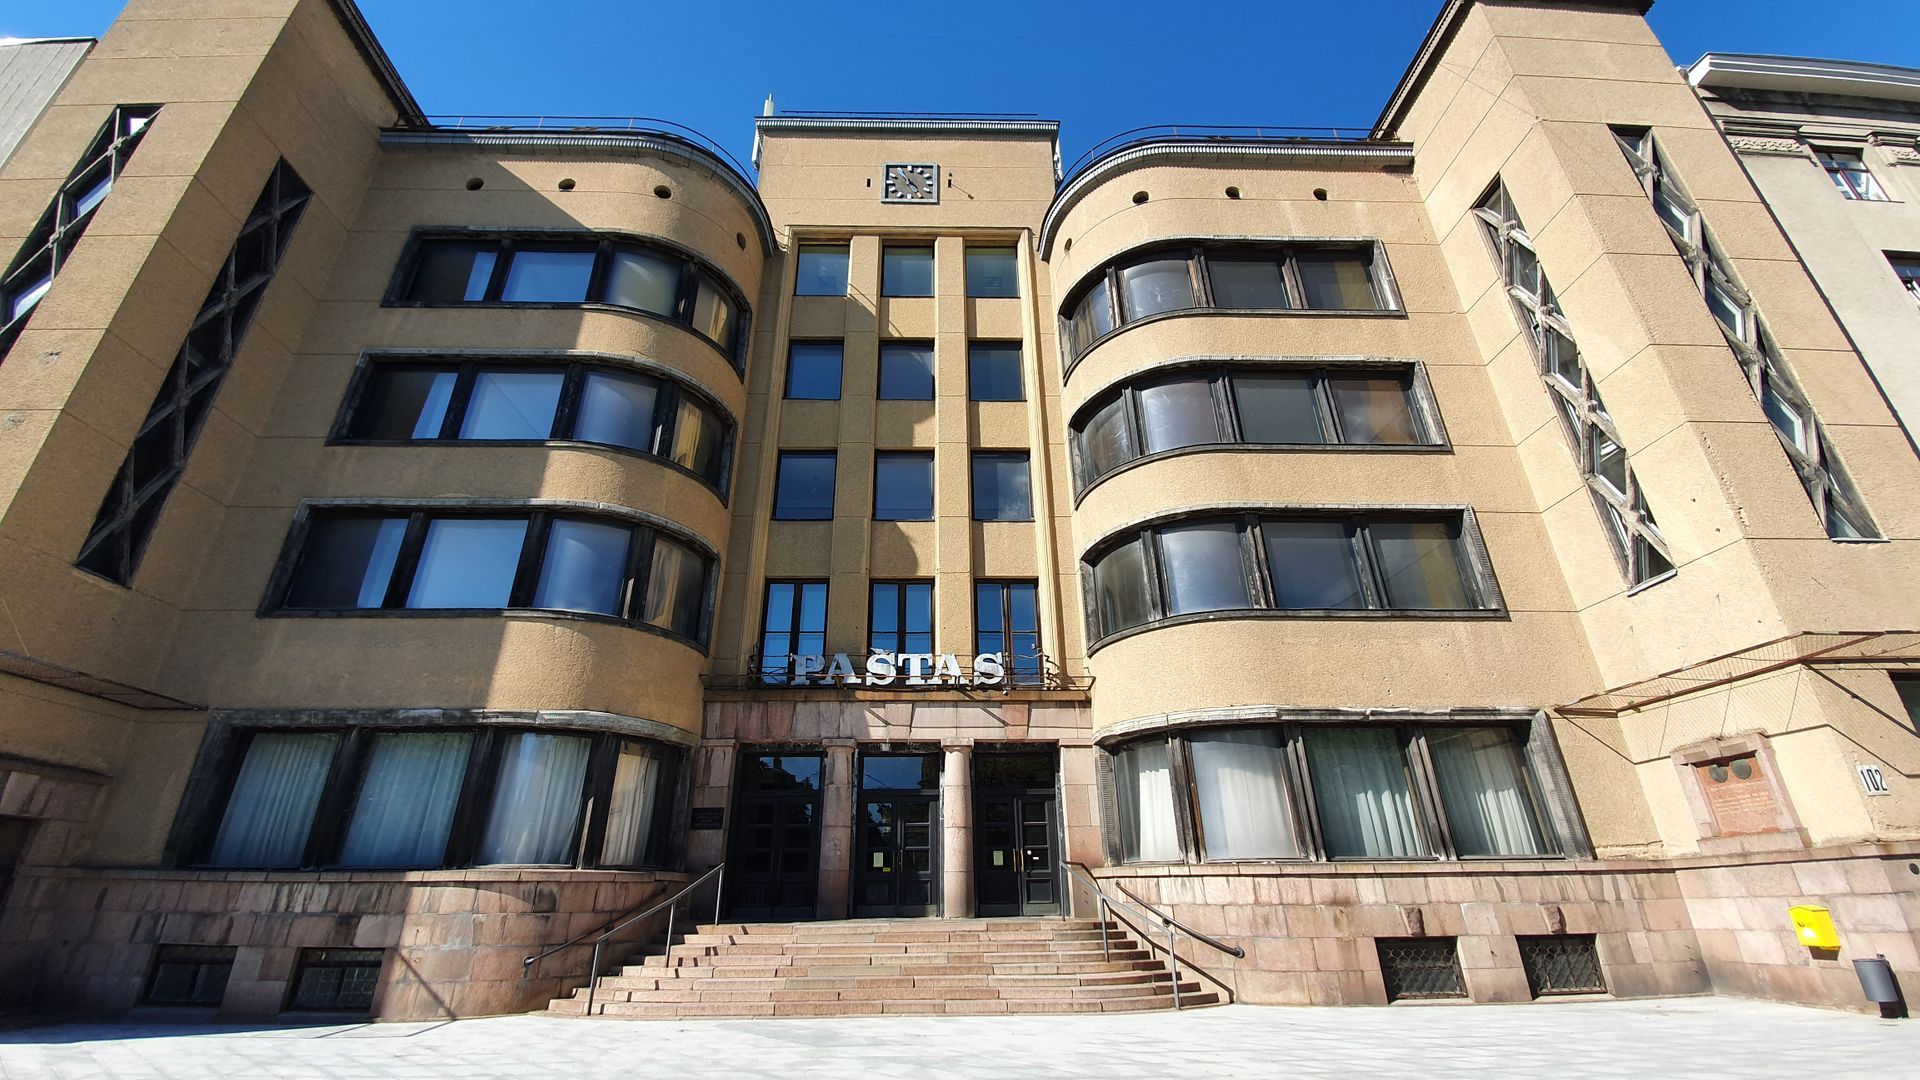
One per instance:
(1420, 968)
(1562, 964)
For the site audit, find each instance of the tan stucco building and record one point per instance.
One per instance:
(1468, 560)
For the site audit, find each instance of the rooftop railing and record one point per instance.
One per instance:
(508, 123)
(1236, 133)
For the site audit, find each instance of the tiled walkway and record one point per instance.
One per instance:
(1684, 1037)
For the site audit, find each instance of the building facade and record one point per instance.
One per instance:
(426, 543)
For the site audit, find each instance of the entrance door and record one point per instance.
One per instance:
(896, 870)
(773, 864)
(1016, 831)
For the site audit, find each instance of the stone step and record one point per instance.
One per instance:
(754, 946)
(904, 938)
(607, 995)
(882, 982)
(730, 957)
(744, 1009)
(814, 930)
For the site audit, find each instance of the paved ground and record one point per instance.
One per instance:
(1678, 1037)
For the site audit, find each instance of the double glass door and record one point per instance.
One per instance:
(896, 867)
(774, 865)
(1016, 830)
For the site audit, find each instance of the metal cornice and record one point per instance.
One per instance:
(376, 57)
(1807, 75)
(1200, 149)
(531, 140)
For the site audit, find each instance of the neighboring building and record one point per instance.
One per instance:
(422, 544)
(32, 71)
(1831, 147)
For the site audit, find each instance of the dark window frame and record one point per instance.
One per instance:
(1006, 629)
(880, 369)
(900, 631)
(226, 752)
(1020, 364)
(1470, 551)
(933, 269)
(1220, 374)
(603, 243)
(540, 518)
(784, 672)
(840, 376)
(314, 959)
(1010, 247)
(933, 482)
(1196, 250)
(799, 253)
(149, 992)
(674, 389)
(974, 458)
(779, 470)
(1297, 783)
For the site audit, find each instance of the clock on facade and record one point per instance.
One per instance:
(911, 184)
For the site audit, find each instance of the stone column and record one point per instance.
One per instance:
(836, 829)
(956, 837)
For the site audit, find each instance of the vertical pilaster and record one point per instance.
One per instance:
(836, 830)
(956, 836)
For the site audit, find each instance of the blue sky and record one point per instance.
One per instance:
(1098, 68)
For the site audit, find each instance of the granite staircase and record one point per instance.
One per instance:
(868, 967)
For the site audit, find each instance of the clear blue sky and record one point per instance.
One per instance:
(1099, 68)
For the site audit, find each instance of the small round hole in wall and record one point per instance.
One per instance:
(741, 240)
(663, 191)
(1139, 197)
(1069, 243)
(1233, 193)
(1913, 868)
(475, 184)
(1320, 193)
(567, 184)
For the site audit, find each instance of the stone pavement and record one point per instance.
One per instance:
(1659, 1038)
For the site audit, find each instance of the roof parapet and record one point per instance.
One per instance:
(1805, 75)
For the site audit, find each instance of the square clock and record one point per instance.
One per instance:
(910, 183)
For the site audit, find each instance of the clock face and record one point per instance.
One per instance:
(911, 183)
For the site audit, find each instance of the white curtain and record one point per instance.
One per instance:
(1244, 811)
(1360, 788)
(536, 799)
(636, 780)
(274, 797)
(405, 807)
(1483, 787)
(1144, 787)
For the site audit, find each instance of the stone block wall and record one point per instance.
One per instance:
(454, 940)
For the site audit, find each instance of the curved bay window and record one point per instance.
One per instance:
(1247, 405)
(1226, 276)
(566, 269)
(428, 798)
(1303, 563)
(489, 560)
(1329, 791)
(519, 402)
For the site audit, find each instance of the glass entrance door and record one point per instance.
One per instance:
(1016, 830)
(773, 865)
(896, 869)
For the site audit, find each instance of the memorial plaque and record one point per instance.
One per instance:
(707, 817)
(1739, 796)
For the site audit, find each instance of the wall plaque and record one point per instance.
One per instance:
(1738, 796)
(707, 817)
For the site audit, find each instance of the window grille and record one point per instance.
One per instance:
(159, 453)
(1595, 442)
(1786, 407)
(1561, 964)
(335, 980)
(1420, 968)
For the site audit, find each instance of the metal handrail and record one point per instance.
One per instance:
(1167, 924)
(628, 918)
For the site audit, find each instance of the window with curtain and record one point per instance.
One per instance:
(1143, 795)
(536, 799)
(270, 811)
(1239, 778)
(1361, 790)
(638, 773)
(404, 810)
(676, 588)
(1482, 779)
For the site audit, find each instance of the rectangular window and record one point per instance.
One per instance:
(1907, 269)
(992, 271)
(556, 275)
(1247, 282)
(1123, 596)
(803, 487)
(584, 567)
(1848, 171)
(1155, 286)
(1240, 787)
(994, 371)
(619, 409)
(537, 795)
(347, 562)
(403, 811)
(1363, 793)
(1422, 565)
(900, 617)
(794, 624)
(404, 403)
(906, 271)
(512, 405)
(269, 812)
(1372, 410)
(1482, 777)
(134, 500)
(821, 270)
(643, 280)
(715, 315)
(1007, 621)
(676, 588)
(1338, 282)
(1002, 486)
(453, 272)
(1203, 567)
(1177, 412)
(1313, 565)
(1143, 797)
(1420, 969)
(1106, 440)
(1277, 407)
(906, 371)
(813, 370)
(468, 563)
(335, 980)
(644, 776)
(190, 975)
(903, 486)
